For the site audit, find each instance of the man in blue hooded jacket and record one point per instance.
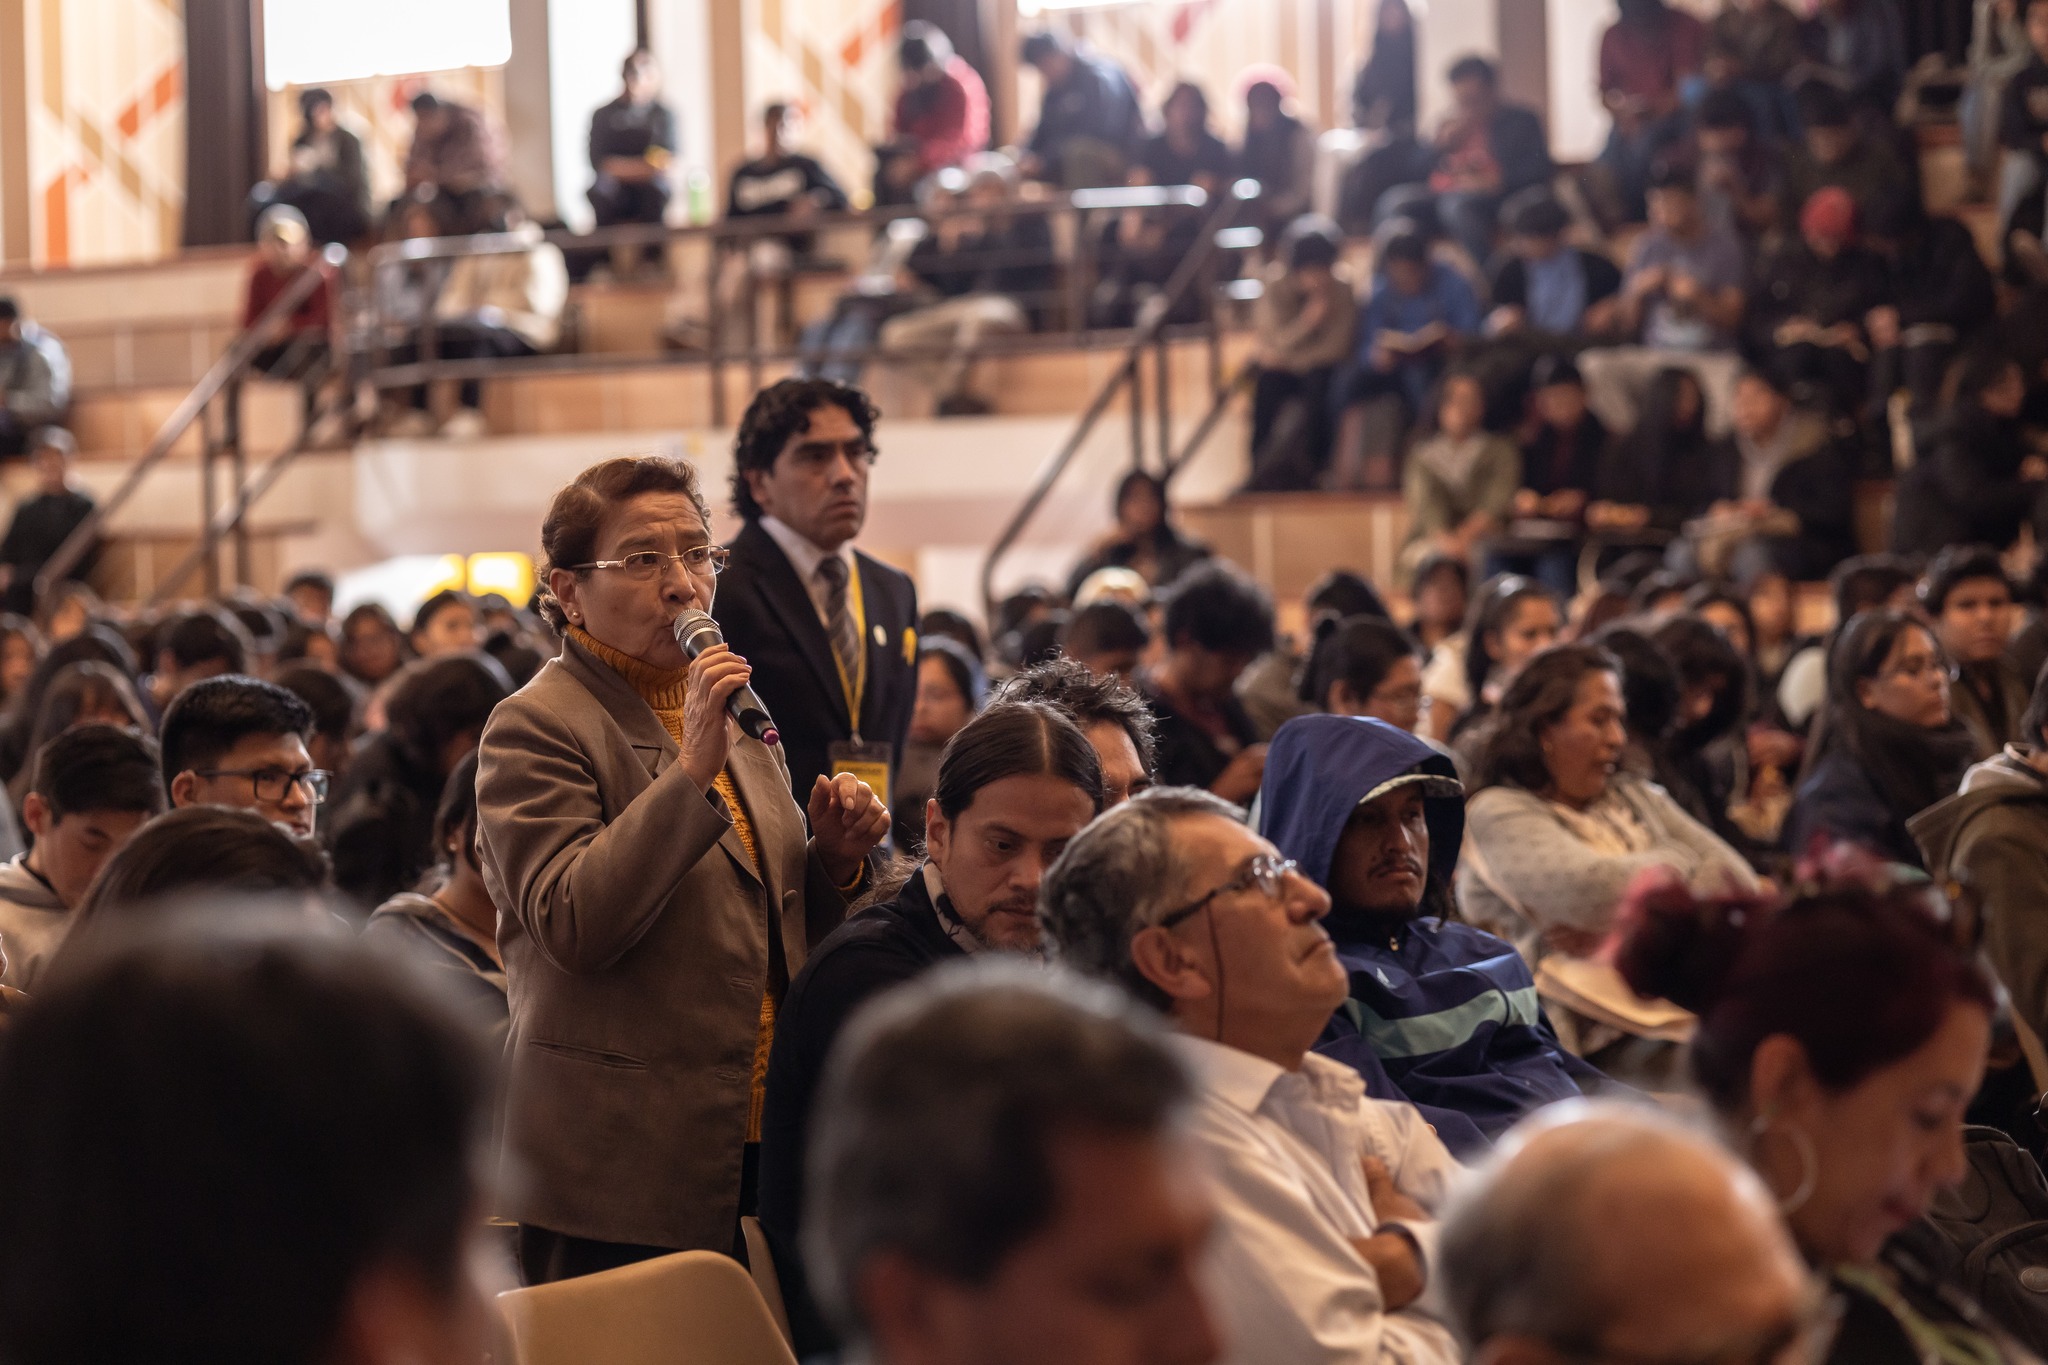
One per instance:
(1440, 1014)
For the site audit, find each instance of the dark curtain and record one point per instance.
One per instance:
(963, 23)
(223, 119)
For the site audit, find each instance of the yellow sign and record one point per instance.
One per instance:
(507, 573)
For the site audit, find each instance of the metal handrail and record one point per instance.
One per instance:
(415, 249)
(728, 240)
(232, 364)
(228, 519)
(1204, 429)
(1192, 267)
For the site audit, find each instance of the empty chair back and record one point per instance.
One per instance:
(692, 1308)
(761, 1264)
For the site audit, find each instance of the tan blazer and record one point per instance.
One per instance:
(637, 944)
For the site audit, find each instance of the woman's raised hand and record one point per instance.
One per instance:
(847, 820)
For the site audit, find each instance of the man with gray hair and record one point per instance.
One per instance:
(1324, 1238)
(1608, 1232)
(998, 1177)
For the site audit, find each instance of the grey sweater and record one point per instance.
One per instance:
(33, 923)
(1525, 869)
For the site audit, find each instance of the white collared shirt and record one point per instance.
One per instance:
(1282, 1152)
(805, 555)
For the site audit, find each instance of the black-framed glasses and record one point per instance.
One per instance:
(644, 566)
(1264, 871)
(274, 784)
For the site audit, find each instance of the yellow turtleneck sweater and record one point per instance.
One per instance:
(664, 690)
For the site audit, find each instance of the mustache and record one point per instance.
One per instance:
(1015, 905)
(1387, 867)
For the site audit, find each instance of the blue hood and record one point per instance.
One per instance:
(1318, 768)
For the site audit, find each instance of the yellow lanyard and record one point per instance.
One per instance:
(854, 688)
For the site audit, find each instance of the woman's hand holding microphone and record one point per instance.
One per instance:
(707, 734)
(847, 818)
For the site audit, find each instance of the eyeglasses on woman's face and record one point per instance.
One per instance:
(644, 566)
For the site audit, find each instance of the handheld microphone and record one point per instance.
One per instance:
(697, 632)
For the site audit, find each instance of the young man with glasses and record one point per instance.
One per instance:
(831, 633)
(238, 741)
(1325, 1236)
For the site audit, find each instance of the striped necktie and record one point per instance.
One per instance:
(839, 622)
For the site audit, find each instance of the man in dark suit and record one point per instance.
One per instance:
(831, 633)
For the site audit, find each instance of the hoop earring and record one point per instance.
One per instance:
(1809, 1161)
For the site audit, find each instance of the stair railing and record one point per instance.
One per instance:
(1193, 267)
(233, 366)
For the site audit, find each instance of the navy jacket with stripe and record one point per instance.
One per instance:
(1440, 1014)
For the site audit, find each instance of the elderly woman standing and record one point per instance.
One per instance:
(657, 885)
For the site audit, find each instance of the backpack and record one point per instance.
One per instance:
(1988, 1237)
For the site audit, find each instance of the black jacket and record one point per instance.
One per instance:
(1515, 137)
(764, 188)
(1941, 278)
(879, 948)
(1185, 756)
(1816, 485)
(1511, 281)
(1014, 257)
(2023, 113)
(623, 128)
(1665, 472)
(768, 619)
(1966, 488)
(1096, 100)
(40, 525)
(1551, 463)
(1840, 801)
(1795, 282)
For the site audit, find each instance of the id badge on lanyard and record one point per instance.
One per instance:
(868, 762)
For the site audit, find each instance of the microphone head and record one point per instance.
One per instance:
(696, 632)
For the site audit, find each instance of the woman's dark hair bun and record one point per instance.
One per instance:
(1327, 624)
(1680, 947)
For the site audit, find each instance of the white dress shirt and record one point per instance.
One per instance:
(1283, 1151)
(804, 555)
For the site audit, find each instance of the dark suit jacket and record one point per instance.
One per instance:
(882, 947)
(638, 940)
(768, 619)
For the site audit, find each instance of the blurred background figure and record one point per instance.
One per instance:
(633, 141)
(190, 1079)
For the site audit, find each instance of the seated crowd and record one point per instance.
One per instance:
(1195, 995)
(1559, 953)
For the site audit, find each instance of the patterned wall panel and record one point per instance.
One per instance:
(837, 58)
(106, 129)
